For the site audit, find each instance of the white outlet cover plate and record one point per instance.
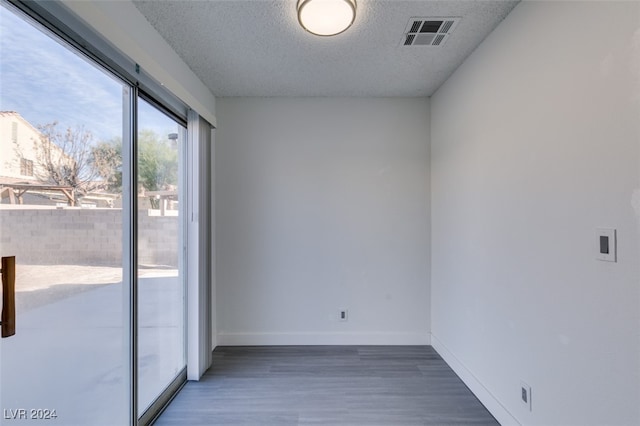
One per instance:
(609, 233)
(527, 388)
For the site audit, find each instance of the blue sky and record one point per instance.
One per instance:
(45, 81)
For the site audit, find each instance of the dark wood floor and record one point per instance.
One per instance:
(327, 385)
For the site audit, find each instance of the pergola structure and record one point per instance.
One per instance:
(163, 197)
(16, 191)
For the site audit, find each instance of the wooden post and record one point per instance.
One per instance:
(8, 296)
(20, 195)
(69, 195)
(10, 194)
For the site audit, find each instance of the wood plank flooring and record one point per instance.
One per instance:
(327, 385)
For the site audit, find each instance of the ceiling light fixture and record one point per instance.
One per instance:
(326, 17)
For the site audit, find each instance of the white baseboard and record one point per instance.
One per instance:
(271, 339)
(495, 407)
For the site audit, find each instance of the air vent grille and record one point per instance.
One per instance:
(446, 27)
(430, 31)
(409, 39)
(438, 40)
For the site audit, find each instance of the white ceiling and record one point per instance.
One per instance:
(257, 47)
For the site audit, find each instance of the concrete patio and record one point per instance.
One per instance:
(76, 342)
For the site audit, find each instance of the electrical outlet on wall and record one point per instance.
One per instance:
(525, 394)
(606, 244)
(343, 315)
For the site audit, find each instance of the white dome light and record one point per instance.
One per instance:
(326, 17)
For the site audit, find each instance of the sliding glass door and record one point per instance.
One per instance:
(61, 219)
(91, 235)
(161, 291)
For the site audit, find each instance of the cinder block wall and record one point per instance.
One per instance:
(84, 237)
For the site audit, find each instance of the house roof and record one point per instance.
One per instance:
(17, 115)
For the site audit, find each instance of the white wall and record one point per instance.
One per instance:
(322, 204)
(535, 144)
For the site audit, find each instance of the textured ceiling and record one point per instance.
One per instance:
(257, 47)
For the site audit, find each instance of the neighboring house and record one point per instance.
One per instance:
(17, 145)
(23, 150)
(22, 147)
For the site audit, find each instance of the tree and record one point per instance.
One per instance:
(72, 158)
(65, 158)
(157, 163)
(107, 162)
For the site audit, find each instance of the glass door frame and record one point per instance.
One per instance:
(130, 245)
(157, 406)
(130, 236)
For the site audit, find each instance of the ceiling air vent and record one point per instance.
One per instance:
(429, 31)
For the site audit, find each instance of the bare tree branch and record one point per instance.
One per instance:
(66, 159)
